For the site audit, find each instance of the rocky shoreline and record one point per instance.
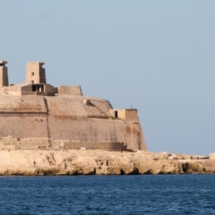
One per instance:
(99, 162)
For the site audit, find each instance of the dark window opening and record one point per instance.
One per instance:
(38, 88)
(116, 114)
(32, 74)
(34, 88)
(32, 82)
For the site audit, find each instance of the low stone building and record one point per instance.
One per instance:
(38, 115)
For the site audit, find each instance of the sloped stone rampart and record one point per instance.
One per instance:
(68, 119)
(95, 130)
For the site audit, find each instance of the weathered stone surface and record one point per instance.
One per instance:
(99, 162)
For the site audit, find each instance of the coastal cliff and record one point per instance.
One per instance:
(99, 162)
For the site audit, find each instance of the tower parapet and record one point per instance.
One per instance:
(35, 73)
(3, 74)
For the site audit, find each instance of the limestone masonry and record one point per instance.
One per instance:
(37, 115)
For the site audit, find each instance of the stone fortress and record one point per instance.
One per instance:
(37, 115)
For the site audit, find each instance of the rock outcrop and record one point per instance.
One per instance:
(99, 162)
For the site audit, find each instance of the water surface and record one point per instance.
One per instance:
(146, 194)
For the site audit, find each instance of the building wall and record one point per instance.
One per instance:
(70, 90)
(125, 114)
(35, 73)
(131, 114)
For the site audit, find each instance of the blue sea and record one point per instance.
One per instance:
(137, 194)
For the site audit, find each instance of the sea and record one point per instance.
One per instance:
(131, 194)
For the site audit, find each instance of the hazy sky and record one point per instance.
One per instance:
(156, 56)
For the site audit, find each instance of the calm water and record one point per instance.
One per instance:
(147, 194)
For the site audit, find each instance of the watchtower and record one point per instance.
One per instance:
(35, 73)
(3, 74)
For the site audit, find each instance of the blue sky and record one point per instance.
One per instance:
(156, 56)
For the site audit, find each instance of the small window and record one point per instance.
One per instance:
(32, 82)
(32, 74)
(116, 114)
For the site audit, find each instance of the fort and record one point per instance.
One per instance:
(37, 115)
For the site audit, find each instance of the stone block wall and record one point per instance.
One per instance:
(11, 143)
(125, 114)
(12, 90)
(83, 130)
(65, 108)
(23, 104)
(66, 119)
(112, 146)
(23, 125)
(97, 108)
(35, 73)
(70, 90)
(131, 114)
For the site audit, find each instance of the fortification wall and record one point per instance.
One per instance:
(78, 107)
(81, 129)
(115, 146)
(13, 90)
(67, 119)
(70, 90)
(85, 129)
(133, 136)
(97, 108)
(97, 130)
(10, 143)
(23, 125)
(64, 107)
(25, 104)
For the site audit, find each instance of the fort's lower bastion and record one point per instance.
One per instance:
(37, 115)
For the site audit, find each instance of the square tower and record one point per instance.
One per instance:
(35, 73)
(3, 74)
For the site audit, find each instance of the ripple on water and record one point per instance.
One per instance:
(147, 194)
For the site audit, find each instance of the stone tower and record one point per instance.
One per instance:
(35, 73)
(3, 74)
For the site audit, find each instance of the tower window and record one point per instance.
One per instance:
(32, 74)
(32, 82)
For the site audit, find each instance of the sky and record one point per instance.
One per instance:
(155, 56)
